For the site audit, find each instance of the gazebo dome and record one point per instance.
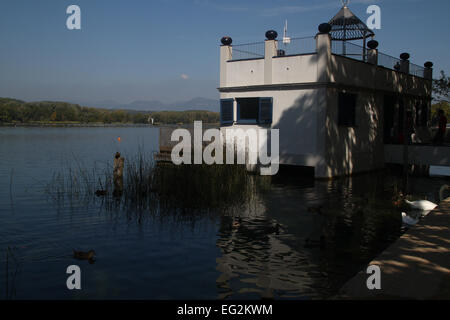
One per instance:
(345, 26)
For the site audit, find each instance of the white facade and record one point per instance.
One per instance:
(306, 90)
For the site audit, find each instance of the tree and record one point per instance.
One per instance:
(441, 88)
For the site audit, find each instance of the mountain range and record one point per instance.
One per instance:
(156, 105)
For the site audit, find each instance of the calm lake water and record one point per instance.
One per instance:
(143, 256)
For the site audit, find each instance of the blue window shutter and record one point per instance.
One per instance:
(226, 111)
(265, 110)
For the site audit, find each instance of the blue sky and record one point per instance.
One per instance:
(168, 50)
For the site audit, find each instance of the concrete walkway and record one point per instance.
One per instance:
(416, 266)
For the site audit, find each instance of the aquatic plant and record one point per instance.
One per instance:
(157, 187)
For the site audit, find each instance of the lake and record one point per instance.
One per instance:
(283, 248)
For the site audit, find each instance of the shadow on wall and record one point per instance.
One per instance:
(357, 148)
(298, 131)
(310, 134)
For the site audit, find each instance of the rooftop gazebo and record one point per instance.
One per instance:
(346, 26)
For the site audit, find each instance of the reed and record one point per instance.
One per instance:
(156, 187)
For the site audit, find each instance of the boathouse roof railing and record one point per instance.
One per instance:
(294, 46)
(354, 51)
(256, 50)
(348, 49)
(416, 70)
(307, 45)
(247, 51)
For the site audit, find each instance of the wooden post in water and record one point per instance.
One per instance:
(119, 163)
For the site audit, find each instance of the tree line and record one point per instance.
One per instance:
(17, 111)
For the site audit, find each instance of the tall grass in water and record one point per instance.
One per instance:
(202, 186)
(158, 187)
(77, 182)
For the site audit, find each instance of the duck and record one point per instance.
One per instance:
(236, 223)
(100, 193)
(425, 204)
(409, 220)
(81, 255)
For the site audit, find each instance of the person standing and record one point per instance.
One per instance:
(439, 138)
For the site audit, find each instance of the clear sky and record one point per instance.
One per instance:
(168, 50)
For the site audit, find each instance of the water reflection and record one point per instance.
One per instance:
(304, 241)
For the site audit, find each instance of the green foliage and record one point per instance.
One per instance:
(16, 111)
(441, 105)
(185, 117)
(441, 88)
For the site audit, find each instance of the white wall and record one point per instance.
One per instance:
(354, 149)
(245, 73)
(357, 73)
(289, 69)
(296, 113)
(294, 69)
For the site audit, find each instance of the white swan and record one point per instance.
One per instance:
(425, 204)
(409, 220)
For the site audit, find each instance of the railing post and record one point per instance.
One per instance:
(226, 54)
(404, 63)
(428, 71)
(323, 48)
(270, 51)
(372, 56)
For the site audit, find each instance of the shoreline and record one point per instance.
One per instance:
(416, 266)
(94, 125)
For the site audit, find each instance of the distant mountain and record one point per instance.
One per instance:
(193, 104)
(145, 105)
(156, 105)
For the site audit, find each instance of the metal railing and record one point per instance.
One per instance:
(387, 61)
(348, 49)
(416, 70)
(356, 52)
(305, 45)
(248, 51)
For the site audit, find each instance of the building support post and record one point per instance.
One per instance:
(323, 47)
(270, 51)
(226, 54)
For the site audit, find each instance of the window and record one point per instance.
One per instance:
(346, 109)
(254, 110)
(226, 111)
(248, 110)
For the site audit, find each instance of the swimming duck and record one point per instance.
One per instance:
(409, 220)
(100, 193)
(237, 222)
(425, 204)
(81, 255)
